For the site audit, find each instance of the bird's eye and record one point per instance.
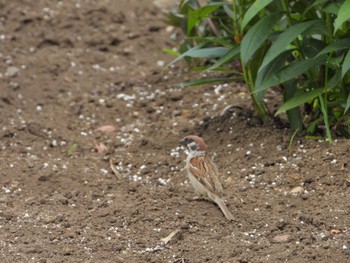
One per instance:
(193, 146)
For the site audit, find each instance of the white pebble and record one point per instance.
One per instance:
(160, 63)
(96, 67)
(104, 171)
(162, 181)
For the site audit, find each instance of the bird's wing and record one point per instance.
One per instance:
(205, 171)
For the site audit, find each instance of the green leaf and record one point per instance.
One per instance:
(218, 69)
(346, 65)
(256, 36)
(198, 52)
(303, 97)
(319, 28)
(210, 52)
(205, 81)
(175, 20)
(253, 10)
(228, 11)
(191, 21)
(231, 54)
(300, 99)
(335, 46)
(343, 15)
(72, 149)
(195, 15)
(309, 7)
(171, 52)
(292, 71)
(311, 128)
(334, 81)
(332, 8)
(311, 47)
(268, 71)
(222, 41)
(347, 104)
(284, 39)
(183, 55)
(312, 137)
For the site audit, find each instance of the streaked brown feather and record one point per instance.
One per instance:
(206, 173)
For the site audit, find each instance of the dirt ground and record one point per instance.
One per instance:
(69, 67)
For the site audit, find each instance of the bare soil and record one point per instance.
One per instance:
(70, 67)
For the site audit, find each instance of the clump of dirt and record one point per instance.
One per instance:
(71, 67)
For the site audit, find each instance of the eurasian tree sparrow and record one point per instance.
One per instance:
(203, 173)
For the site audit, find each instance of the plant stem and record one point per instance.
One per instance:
(235, 23)
(290, 23)
(325, 118)
(291, 142)
(248, 80)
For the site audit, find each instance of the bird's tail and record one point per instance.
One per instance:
(223, 207)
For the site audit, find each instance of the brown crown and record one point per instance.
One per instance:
(201, 144)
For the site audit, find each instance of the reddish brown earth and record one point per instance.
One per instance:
(70, 67)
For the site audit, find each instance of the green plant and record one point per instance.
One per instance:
(72, 149)
(301, 46)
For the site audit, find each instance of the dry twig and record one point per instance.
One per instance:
(115, 171)
(169, 237)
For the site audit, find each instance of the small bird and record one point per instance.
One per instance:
(203, 173)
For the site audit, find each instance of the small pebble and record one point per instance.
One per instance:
(12, 71)
(297, 190)
(282, 238)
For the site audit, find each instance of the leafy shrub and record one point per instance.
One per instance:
(301, 46)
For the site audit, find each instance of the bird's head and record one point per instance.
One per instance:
(194, 143)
